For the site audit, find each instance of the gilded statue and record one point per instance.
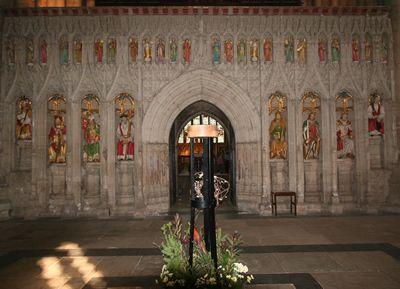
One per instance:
(57, 140)
(302, 50)
(147, 51)
(278, 143)
(254, 50)
(311, 137)
(228, 49)
(335, 50)
(24, 120)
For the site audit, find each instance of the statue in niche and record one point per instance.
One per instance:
(216, 50)
(302, 50)
(133, 49)
(376, 114)
(186, 51)
(311, 137)
(58, 142)
(43, 51)
(63, 50)
(10, 47)
(384, 49)
(254, 50)
(98, 50)
(58, 131)
(355, 49)
(112, 50)
(289, 49)
(322, 51)
(241, 51)
(335, 50)
(125, 128)
(91, 129)
(147, 51)
(160, 51)
(78, 51)
(24, 119)
(173, 48)
(277, 131)
(228, 49)
(267, 49)
(368, 48)
(344, 135)
(29, 52)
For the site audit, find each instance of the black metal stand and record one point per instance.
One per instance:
(207, 203)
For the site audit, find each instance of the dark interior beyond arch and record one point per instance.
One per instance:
(224, 152)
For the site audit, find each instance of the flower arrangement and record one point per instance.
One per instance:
(176, 272)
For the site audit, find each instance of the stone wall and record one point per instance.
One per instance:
(161, 91)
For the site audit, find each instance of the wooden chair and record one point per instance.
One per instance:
(293, 201)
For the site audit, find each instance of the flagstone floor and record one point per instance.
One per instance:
(346, 252)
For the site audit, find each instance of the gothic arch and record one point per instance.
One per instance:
(201, 85)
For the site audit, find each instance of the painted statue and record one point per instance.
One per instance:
(173, 48)
(216, 50)
(277, 131)
(160, 51)
(112, 50)
(29, 52)
(368, 48)
(78, 51)
(91, 138)
(147, 51)
(125, 145)
(10, 47)
(311, 137)
(43, 51)
(355, 49)
(63, 50)
(322, 50)
(58, 142)
(98, 50)
(384, 49)
(133, 49)
(376, 114)
(254, 50)
(267, 49)
(344, 137)
(186, 51)
(241, 51)
(335, 50)
(302, 50)
(228, 50)
(24, 120)
(289, 49)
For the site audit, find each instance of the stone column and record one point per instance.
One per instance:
(291, 136)
(299, 154)
(74, 154)
(111, 176)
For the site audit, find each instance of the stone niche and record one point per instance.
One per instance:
(346, 183)
(125, 183)
(376, 152)
(279, 175)
(23, 155)
(91, 185)
(312, 181)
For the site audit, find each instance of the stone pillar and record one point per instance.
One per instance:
(299, 154)
(111, 177)
(292, 133)
(74, 154)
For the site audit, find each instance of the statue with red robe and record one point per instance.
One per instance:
(125, 145)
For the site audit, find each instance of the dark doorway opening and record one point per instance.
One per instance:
(200, 112)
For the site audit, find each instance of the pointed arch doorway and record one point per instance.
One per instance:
(200, 112)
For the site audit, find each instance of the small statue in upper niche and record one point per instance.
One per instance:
(311, 137)
(267, 49)
(368, 48)
(216, 50)
(355, 47)
(43, 51)
(133, 49)
(384, 49)
(57, 138)
(289, 49)
(228, 49)
(335, 50)
(147, 51)
(344, 135)
(10, 47)
(78, 51)
(173, 48)
(112, 50)
(98, 50)
(376, 114)
(186, 51)
(254, 50)
(30, 52)
(241, 51)
(160, 49)
(322, 50)
(277, 131)
(302, 50)
(63, 50)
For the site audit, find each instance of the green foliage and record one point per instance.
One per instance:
(176, 272)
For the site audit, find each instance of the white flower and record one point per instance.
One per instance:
(240, 268)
